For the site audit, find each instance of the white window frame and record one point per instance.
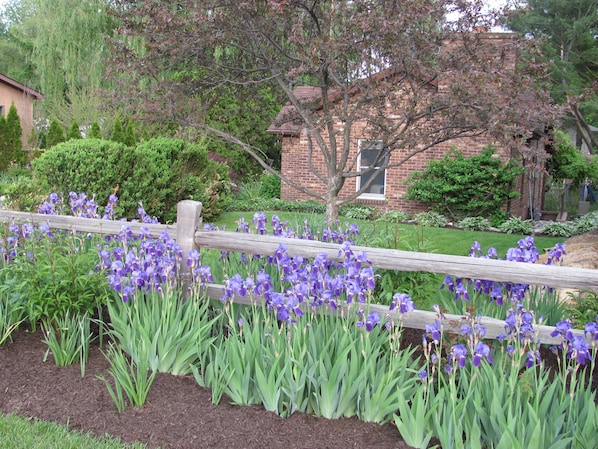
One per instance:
(369, 195)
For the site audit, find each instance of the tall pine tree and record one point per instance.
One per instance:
(10, 139)
(73, 132)
(55, 134)
(567, 31)
(94, 133)
(3, 154)
(118, 133)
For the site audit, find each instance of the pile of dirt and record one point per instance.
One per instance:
(582, 250)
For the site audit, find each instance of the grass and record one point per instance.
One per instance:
(22, 433)
(403, 236)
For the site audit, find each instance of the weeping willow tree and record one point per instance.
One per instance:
(66, 44)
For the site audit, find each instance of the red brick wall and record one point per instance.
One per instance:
(295, 165)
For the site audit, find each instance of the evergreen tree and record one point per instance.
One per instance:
(94, 133)
(73, 132)
(130, 135)
(55, 134)
(3, 154)
(118, 134)
(12, 136)
(567, 31)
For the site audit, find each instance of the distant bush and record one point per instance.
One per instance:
(559, 229)
(269, 186)
(474, 224)
(159, 173)
(431, 219)
(357, 211)
(394, 216)
(585, 223)
(461, 187)
(516, 225)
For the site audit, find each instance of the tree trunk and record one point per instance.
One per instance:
(333, 188)
(331, 211)
(583, 128)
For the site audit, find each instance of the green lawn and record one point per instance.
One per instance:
(403, 236)
(22, 433)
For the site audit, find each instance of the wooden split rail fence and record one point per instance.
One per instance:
(189, 234)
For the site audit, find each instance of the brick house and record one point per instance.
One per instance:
(389, 189)
(13, 92)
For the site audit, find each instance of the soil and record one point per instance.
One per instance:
(178, 413)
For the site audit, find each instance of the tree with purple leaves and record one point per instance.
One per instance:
(364, 58)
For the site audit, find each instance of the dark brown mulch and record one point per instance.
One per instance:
(178, 413)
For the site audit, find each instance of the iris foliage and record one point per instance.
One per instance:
(305, 337)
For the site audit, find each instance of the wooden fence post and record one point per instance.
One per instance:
(188, 220)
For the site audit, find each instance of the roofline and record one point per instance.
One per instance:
(16, 85)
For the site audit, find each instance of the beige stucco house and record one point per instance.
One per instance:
(13, 92)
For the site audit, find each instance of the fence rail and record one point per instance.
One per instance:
(189, 235)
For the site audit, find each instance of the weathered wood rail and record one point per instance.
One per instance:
(189, 235)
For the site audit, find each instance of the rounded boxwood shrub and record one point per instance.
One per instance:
(159, 173)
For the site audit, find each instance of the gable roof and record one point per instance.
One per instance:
(18, 86)
(287, 121)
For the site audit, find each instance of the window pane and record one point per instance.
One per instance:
(377, 186)
(369, 152)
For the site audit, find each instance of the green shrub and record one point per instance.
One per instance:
(20, 191)
(474, 224)
(308, 207)
(167, 171)
(10, 139)
(269, 186)
(582, 306)
(159, 173)
(461, 187)
(73, 132)
(585, 223)
(94, 132)
(394, 216)
(249, 191)
(55, 134)
(516, 225)
(559, 229)
(431, 219)
(60, 279)
(358, 211)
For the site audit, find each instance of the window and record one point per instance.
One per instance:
(369, 151)
(1, 111)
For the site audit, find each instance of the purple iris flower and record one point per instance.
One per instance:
(434, 331)
(563, 329)
(372, 320)
(481, 351)
(580, 350)
(403, 301)
(458, 355)
(591, 328)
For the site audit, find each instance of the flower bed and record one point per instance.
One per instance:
(287, 355)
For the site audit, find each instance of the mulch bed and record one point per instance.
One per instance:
(178, 414)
